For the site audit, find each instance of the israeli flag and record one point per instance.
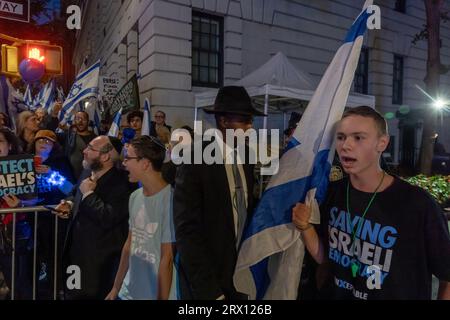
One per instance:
(115, 126)
(271, 255)
(11, 101)
(60, 94)
(38, 100)
(28, 98)
(48, 95)
(92, 107)
(147, 124)
(85, 86)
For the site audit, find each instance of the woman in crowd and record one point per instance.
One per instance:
(9, 145)
(54, 180)
(27, 126)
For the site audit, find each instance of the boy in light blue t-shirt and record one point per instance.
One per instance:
(146, 270)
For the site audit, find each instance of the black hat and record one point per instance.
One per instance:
(116, 143)
(293, 121)
(234, 100)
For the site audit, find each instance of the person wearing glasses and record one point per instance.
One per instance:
(49, 163)
(99, 220)
(212, 203)
(146, 270)
(159, 127)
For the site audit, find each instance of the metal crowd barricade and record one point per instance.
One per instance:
(29, 210)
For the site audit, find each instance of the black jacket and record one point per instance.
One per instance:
(204, 230)
(96, 234)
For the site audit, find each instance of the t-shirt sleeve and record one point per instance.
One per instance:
(168, 231)
(437, 240)
(130, 207)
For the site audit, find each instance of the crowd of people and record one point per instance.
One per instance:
(139, 227)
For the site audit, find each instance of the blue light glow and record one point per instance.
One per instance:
(56, 179)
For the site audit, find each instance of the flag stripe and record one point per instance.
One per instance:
(272, 247)
(82, 95)
(86, 72)
(272, 212)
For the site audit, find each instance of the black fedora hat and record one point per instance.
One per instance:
(234, 100)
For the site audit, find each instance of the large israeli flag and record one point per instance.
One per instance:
(85, 86)
(271, 254)
(115, 126)
(146, 122)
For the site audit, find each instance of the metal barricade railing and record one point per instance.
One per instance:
(30, 210)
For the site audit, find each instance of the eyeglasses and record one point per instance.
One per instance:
(127, 158)
(96, 150)
(44, 140)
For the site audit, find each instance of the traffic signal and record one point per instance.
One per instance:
(49, 55)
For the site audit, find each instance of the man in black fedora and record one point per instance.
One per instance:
(212, 203)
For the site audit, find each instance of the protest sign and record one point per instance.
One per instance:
(17, 175)
(108, 88)
(127, 98)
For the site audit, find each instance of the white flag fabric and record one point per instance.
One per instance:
(46, 96)
(85, 86)
(28, 97)
(60, 94)
(93, 110)
(49, 95)
(146, 122)
(271, 253)
(115, 126)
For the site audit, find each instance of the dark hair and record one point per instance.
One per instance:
(136, 113)
(150, 148)
(85, 113)
(189, 129)
(7, 121)
(368, 112)
(13, 141)
(241, 117)
(164, 114)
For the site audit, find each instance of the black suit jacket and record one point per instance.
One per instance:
(96, 234)
(204, 230)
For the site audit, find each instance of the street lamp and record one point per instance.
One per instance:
(439, 104)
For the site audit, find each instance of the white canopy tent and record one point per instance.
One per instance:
(278, 86)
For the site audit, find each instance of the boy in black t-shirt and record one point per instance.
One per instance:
(381, 237)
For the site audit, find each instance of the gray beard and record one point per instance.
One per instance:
(96, 165)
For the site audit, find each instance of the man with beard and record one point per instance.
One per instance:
(99, 224)
(75, 140)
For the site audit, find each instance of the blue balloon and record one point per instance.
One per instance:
(31, 70)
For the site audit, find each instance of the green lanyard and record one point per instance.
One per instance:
(355, 266)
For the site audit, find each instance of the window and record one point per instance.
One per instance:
(400, 6)
(397, 80)
(207, 50)
(362, 72)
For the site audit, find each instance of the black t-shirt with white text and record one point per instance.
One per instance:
(400, 243)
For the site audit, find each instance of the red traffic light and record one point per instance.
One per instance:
(35, 53)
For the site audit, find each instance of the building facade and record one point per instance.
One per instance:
(179, 47)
